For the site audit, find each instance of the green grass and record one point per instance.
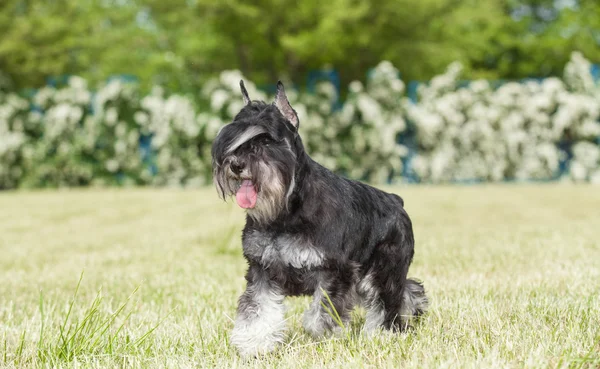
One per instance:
(513, 273)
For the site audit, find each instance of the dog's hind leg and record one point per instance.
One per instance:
(369, 296)
(396, 299)
(260, 323)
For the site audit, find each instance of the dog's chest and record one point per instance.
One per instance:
(285, 250)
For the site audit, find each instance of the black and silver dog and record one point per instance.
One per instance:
(309, 232)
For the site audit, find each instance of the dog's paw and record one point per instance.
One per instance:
(319, 325)
(255, 338)
(313, 323)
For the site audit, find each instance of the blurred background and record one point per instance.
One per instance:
(132, 92)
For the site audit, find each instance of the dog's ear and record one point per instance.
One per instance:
(284, 107)
(244, 93)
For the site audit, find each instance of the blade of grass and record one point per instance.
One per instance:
(141, 340)
(5, 350)
(86, 323)
(331, 310)
(62, 328)
(116, 334)
(21, 346)
(42, 317)
(112, 318)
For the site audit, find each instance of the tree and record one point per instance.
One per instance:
(181, 43)
(43, 39)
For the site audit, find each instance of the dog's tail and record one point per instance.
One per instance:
(415, 301)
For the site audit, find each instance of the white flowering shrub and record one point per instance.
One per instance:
(320, 132)
(578, 76)
(477, 132)
(360, 139)
(78, 138)
(177, 139)
(580, 114)
(536, 129)
(13, 137)
(585, 165)
(59, 150)
(116, 134)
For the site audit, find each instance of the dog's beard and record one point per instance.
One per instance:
(272, 191)
(226, 185)
(271, 194)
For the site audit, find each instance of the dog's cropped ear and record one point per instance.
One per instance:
(244, 93)
(282, 103)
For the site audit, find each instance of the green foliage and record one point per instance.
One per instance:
(43, 39)
(181, 44)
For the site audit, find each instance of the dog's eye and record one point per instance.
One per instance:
(263, 140)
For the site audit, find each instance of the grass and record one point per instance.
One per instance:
(513, 273)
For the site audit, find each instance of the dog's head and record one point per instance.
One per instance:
(254, 157)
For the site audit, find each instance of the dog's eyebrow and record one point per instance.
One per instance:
(248, 134)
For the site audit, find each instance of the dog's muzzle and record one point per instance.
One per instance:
(246, 194)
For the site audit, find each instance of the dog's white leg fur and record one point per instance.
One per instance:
(260, 323)
(374, 319)
(370, 300)
(317, 322)
(313, 320)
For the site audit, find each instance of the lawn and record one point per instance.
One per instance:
(513, 273)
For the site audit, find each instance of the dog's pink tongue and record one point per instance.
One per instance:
(246, 195)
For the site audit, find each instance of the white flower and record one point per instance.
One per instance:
(111, 116)
(121, 129)
(217, 99)
(578, 171)
(595, 177)
(78, 83)
(369, 108)
(10, 142)
(110, 92)
(479, 86)
(328, 90)
(140, 118)
(44, 95)
(397, 85)
(231, 79)
(120, 147)
(112, 165)
(587, 154)
(355, 87)
(578, 73)
(234, 107)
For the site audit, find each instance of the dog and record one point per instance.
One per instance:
(309, 232)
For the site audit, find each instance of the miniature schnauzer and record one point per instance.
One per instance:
(309, 232)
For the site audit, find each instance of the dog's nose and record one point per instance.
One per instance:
(237, 167)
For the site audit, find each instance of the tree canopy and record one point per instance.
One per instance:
(181, 43)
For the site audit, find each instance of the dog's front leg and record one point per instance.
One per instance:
(322, 317)
(260, 322)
